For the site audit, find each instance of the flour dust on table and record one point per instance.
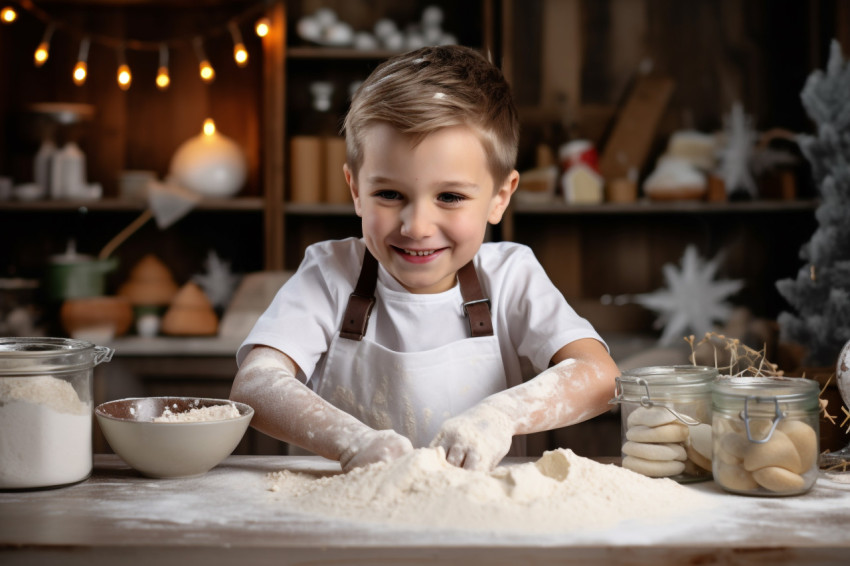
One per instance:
(561, 491)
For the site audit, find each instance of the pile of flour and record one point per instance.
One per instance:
(559, 492)
(45, 433)
(199, 414)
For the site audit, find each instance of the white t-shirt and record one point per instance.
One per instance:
(531, 318)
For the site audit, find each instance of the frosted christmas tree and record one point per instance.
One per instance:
(820, 294)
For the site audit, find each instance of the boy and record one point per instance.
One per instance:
(419, 334)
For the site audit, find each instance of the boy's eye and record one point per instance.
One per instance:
(387, 195)
(450, 198)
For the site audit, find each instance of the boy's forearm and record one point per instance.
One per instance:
(288, 410)
(565, 394)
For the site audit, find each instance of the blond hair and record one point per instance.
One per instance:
(422, 91)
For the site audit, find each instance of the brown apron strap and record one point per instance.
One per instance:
(361, 301)
(475, 305)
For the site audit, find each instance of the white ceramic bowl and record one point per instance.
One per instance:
(170, 449)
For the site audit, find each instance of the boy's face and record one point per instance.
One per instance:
(425, 208)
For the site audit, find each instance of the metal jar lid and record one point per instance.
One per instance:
(656, 383)
(23, 357)
(665, 386)
(773, 398)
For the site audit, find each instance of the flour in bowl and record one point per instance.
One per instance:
(559, 492)
(199, 414)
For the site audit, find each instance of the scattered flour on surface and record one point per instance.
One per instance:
(45, 433)
(559, 492)
(199, 414)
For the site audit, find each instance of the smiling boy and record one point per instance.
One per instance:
(419, 334)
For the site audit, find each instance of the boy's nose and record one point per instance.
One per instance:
(416, 222)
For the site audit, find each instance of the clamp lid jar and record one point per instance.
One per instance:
(766, 433)
(46, 410)
(666, 421)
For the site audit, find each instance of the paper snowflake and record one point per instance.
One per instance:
(218, 282)
(693, 301)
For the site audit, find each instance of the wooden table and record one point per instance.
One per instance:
(225, 517)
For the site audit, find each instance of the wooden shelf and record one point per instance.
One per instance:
(317, 52)
(119, 205)
(319, 209)
(662, 207)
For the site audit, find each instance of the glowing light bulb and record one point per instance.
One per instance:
(81, 68)
(262, 27)
(8, 15)
(125, 77)
(209, 127)
(80, 73)
(207, 72)
(42, 52)
(240, 54)
(162, 78)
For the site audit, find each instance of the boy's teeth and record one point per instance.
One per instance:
(414, 252)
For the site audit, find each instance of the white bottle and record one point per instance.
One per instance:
(42, 166)
(68, 179)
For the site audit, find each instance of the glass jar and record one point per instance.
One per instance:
(766, 433)
(666, 421)
(46, 410)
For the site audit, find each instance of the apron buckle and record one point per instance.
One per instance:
(356, 316)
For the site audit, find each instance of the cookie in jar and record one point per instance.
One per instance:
(765, 432)
(666, 421)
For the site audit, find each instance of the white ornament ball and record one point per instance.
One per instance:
(432, 16)
(309, 29)
(365, 41)
(339, 34)
(212, 165)
(325, 17)
(384, 28)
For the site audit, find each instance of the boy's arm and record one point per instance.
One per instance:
(576, 388)
(288, 410)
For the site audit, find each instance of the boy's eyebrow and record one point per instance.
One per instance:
(444, 185)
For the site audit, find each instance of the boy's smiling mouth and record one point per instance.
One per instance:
(414, 255)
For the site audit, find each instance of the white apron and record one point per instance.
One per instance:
(411, 392)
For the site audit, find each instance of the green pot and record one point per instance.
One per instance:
(74, 277)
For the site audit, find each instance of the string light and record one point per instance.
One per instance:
(8, 15)
(240, 54)
(162, 78)
(206, 70)
(42, 52)
(262, 27)
(124, 76)
(81, 69)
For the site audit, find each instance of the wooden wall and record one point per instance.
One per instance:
(572, 61)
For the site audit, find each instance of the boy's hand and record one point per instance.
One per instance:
(477, 439)
(374, 446)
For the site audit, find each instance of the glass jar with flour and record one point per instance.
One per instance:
(666, 421)
(46, 410)
(766, 433)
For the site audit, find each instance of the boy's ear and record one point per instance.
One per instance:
(352, 185)
(502, 198)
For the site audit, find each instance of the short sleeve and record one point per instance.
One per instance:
(305, 314)
(529, 308)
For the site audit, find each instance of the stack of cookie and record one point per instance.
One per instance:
(658, 444)
(778, 465)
